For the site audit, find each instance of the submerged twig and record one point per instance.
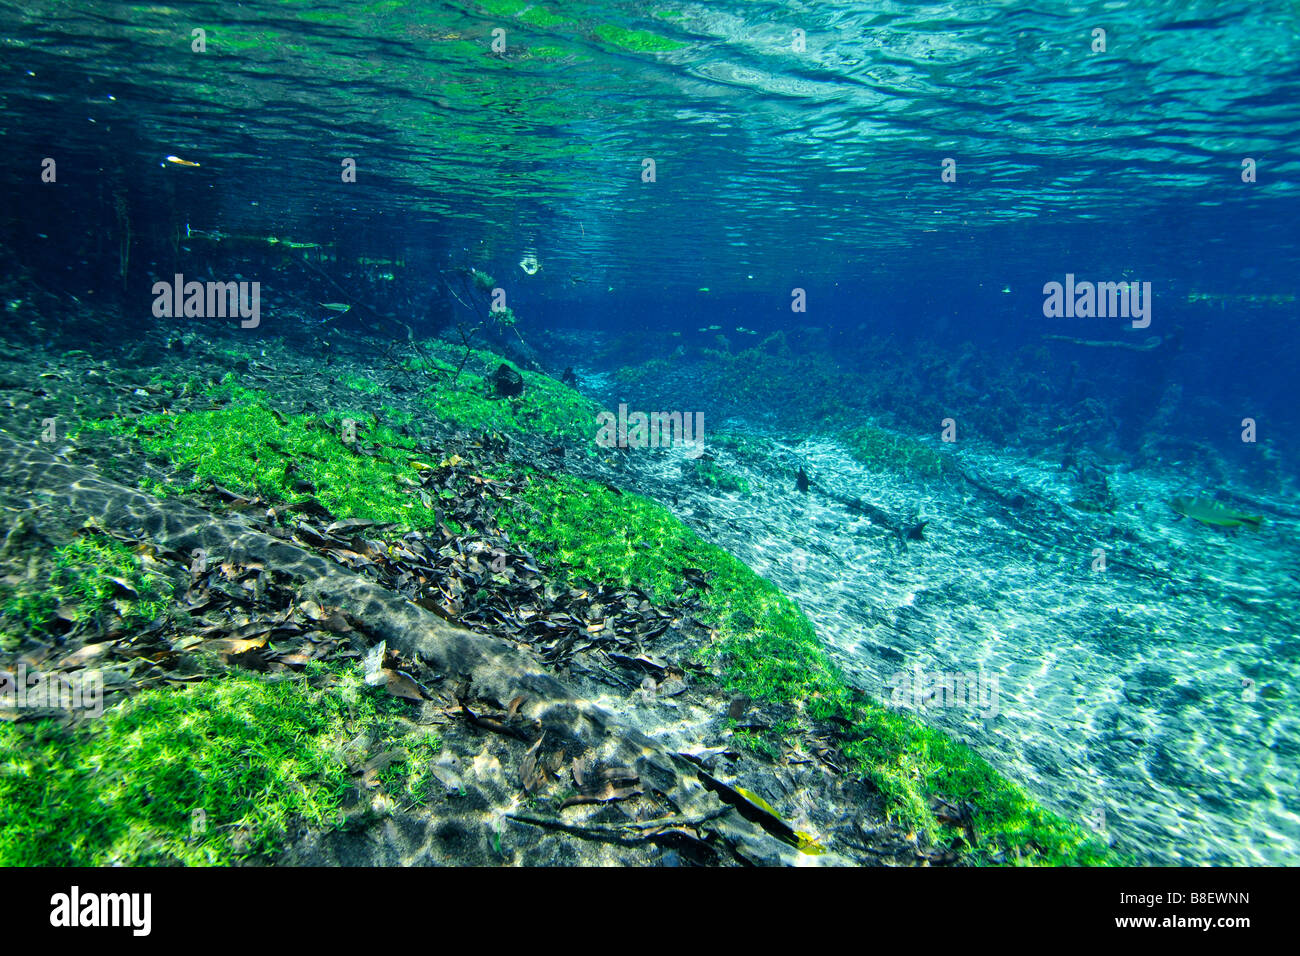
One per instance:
(631, 831)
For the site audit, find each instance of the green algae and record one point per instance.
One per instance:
(765, 647)
(747, 447)
(360, 383)
(205, 775)
(249, 447)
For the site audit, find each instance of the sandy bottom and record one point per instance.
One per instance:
(1153, 700)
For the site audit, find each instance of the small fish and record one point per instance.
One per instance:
(801, 482)
(180, 162)
(339, 307)
(1211, 512)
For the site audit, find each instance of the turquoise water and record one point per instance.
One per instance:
(880, 191)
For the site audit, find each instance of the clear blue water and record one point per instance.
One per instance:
(777, 167)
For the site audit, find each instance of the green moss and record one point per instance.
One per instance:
(765, 647)
(910, 761)
(882, 450)
(411, 780)
(248, 758)
(80, 581)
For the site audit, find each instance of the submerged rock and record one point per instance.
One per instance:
(506, 382)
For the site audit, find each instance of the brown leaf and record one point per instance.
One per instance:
(401, 684)
(234, 645)
(606, 794)
(86, 655)
(348, 524)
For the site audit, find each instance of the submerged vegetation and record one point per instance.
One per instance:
(881, 450)
(762, 644)
(249, 447)
(712, 475)
(89, 578)
(461, 394)
(766, 647)
(211, 774)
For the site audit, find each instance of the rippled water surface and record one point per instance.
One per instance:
(836, 147)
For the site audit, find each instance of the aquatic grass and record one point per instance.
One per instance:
(211, 774)
(247, 446)
(745, 447)
(360, 383)
(764, 646)
(250, 448)
(881, 450)
(712, 475)
(464, 398)
(85, 578)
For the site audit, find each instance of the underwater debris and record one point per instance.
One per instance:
(506, 382)
(1210, 512)
(529, 264)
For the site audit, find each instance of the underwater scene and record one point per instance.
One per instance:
(650, 433)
